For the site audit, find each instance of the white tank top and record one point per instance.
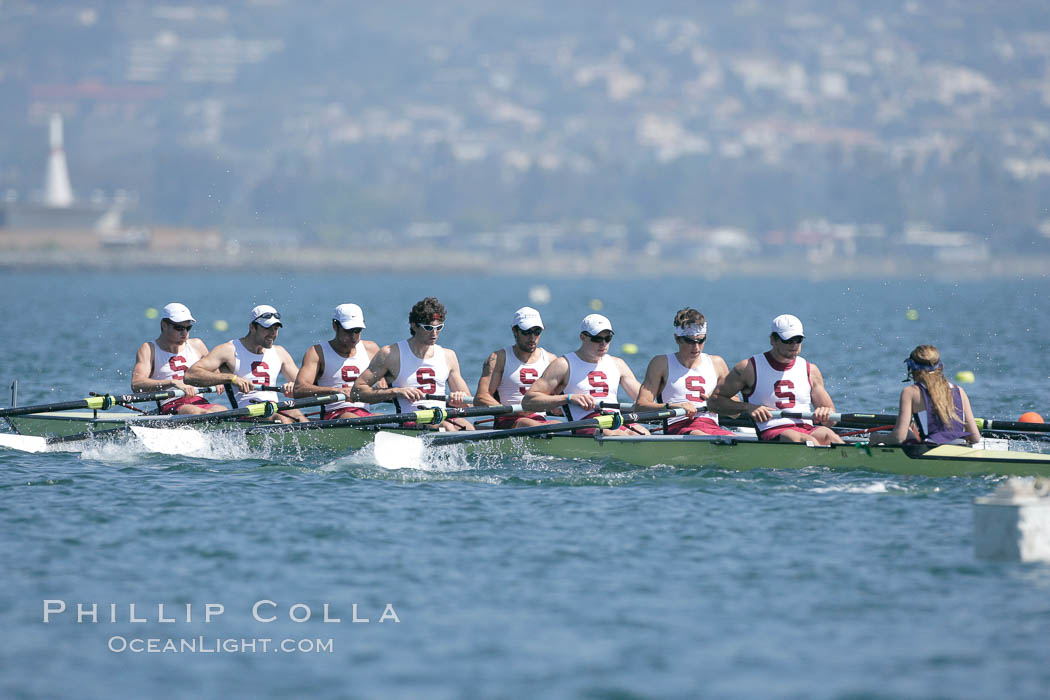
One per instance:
(781, 386)
(169, 366)
(600, 379)
(340, 372)
(260, 370)
(428, 375)
(690, 385)
(518, 376)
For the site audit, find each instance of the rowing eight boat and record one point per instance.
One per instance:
(741, 452)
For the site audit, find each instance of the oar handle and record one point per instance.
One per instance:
(808, 415)
(443, 397)
(616, 406)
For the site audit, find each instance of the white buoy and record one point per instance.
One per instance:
(1013, 523)
(540, 294)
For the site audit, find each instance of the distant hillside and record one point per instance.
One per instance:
(335, 119)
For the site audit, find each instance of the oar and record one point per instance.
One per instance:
(394, 451)
(29, 443)
(987, 426)
(97, 403)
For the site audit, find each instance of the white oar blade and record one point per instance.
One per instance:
(394, 451)
(24, 443)
(170, 441)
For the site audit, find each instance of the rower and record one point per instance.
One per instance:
(162, 363)
(779, 378)
(509, 372)
(582, 379)
(684, 379)
(251, 362)
(417, 367)
(337, 363)
(941, 409)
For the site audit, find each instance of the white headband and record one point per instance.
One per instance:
(691, 330)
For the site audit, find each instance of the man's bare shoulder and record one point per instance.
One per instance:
(658, 363)
(742, 366)
(559, 364)
(387, 357)
(223, 349)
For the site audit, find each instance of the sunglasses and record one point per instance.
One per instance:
(267, 316)
(692, 341)
(532, 331)
(353, 330)
(794, 340)
(599, 338)
(182, 329)
(431, 326)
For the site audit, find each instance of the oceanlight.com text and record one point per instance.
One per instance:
(218, 645)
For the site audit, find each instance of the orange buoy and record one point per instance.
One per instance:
(1030, 417)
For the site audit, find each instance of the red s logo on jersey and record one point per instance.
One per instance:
(694, 385)
(425, 380)
(598, 381)
(787, 398)
(527, 376)
(349, 374)
(177, 365)
(260, 373)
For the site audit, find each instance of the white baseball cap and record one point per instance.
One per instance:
(263, 310)
(593, 324)
(177, 313)
(527, 317)
(787, 326)
(349, 316)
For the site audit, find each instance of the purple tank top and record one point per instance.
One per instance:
(937, 432)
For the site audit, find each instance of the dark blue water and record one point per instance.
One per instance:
(516, 577)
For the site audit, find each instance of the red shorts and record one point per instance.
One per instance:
(172, 407)
(348, 412)
(508, 421)
(771, 433)
(704, 425)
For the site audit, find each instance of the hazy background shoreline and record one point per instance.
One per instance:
(826, 135)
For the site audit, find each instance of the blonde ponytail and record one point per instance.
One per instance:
(926, 369)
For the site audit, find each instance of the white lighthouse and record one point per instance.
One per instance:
(58, 193)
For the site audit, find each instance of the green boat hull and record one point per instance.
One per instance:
(642, 451)
(691, 452)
